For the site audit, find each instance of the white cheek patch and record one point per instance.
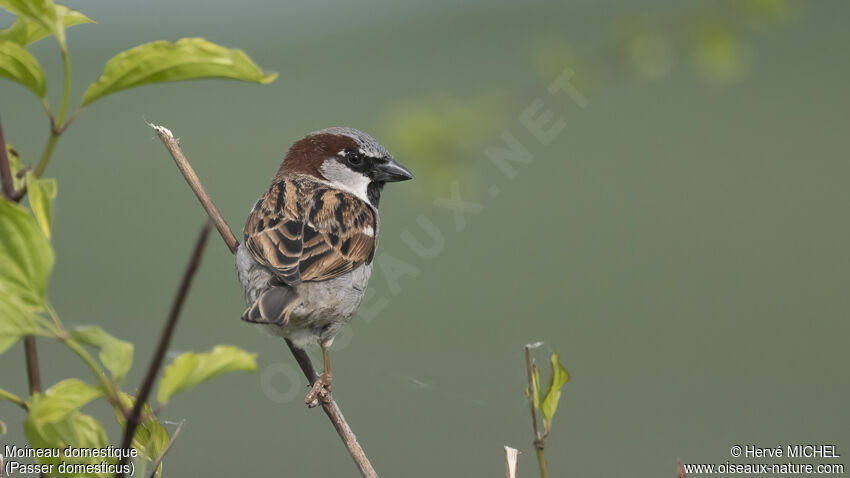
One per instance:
(343, 178)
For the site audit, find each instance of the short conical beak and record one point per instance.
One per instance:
(391, 171)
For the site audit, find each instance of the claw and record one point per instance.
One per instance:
(321, 390)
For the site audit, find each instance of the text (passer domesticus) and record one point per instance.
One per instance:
(309, 241)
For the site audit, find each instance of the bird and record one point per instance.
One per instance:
(309, 241)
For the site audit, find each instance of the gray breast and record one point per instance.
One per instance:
(332, 301)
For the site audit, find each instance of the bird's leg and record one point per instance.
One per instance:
(327, 376)
(322, 386)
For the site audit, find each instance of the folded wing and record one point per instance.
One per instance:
(303, 230)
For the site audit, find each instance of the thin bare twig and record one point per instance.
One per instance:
(167, 447)
(185, 168)
(135, 416)
(328, 405)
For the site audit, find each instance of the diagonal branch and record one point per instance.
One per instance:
(135, 416)
(335, 415)
(328, 405)
(183, 165)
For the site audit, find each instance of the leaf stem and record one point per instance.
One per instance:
(48, 152)
(541, 460)
(107, 385)
(13, 398)
(55, 318)
(66, 91)
(56, 125)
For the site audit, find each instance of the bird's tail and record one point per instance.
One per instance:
(273, 306)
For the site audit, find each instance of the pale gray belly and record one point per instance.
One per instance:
(325, 306)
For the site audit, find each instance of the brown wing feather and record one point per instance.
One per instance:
(305, 230)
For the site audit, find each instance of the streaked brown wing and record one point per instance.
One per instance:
(318, 234)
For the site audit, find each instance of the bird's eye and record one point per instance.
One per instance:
(355, 159)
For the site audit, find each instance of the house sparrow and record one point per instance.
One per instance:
(309, 241)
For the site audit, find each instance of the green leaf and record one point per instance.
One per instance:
(2, 428)
(18, 65)
(535, 381)
(115, 354)
(41, 193)
(162, 61)
(16, 321)
(25, 31)
(76, 429)
(557, 379)
(190, 369)
(60, 400)
(25, 256)
(157, 442)
(150, 438)
(41, 12)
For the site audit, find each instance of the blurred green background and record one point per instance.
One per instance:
(683, 242)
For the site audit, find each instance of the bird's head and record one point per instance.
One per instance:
(347, 158)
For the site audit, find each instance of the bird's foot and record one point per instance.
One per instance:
(321, 390)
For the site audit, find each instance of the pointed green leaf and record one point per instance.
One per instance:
(18, 65)
(76, 429)
(150, 438)
(16, 321)
(157, 442)
(25, 31)
(61, 399)
(41, 193)
(190, 369)
(25, 256)
(2, 428)
(40, 12)
(162, 61)
(115, 354)
(557, 379)
(90, 432)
